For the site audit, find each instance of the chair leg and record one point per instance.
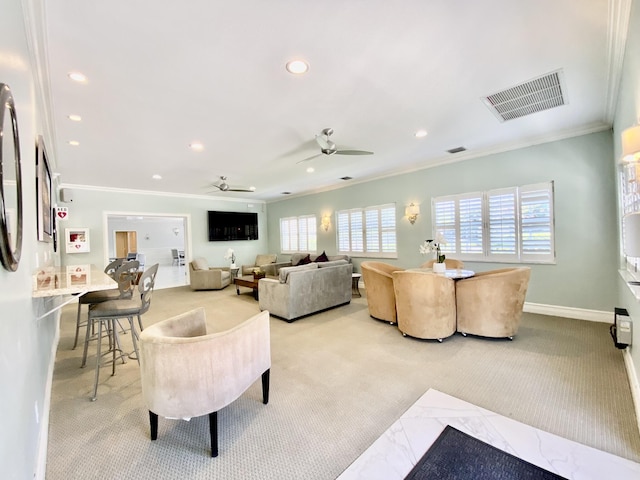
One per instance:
(75, 342)
(134, 340)
(86, 342)
(213, 431)
(265, 386)
(98, 355)
(153, 423)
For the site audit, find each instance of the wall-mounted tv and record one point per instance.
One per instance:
(226, 226)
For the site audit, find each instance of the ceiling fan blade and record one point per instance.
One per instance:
(353, 152)
(309, 158)
(241, 189)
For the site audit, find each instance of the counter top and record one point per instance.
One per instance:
(70, 280)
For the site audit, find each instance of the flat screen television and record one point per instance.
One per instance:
(227, 226)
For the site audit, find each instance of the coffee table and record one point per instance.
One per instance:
(249, 282)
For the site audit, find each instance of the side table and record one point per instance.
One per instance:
(234, 273)
(355, 280)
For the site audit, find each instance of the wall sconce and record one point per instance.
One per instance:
(326, 222)
(631, 144)
(412, 212)
(176, 231)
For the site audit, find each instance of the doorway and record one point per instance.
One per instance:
(154, 235)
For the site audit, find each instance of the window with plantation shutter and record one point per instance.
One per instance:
(536, 213)
(369, 231)
(502, 224)
(512, 224)
(298, 234)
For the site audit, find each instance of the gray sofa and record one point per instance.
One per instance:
(306, 289)
(273, 269)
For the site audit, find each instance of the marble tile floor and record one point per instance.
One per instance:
(171, 276)
(397, 450)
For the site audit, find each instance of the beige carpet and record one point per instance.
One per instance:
(338, 380)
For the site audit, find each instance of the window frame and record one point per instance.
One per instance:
(516, 239)
(309, 231)
(357, 240)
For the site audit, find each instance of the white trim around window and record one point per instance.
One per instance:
(367, 232)
(298, 234)
(508, 225)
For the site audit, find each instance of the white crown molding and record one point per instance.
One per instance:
(618, 27)
(94, 188)
(461, 157)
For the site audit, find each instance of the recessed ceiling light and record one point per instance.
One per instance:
(286, 193)
(196, 146)
(74, 143)
(421, 133)
(310, 169)
(157, 177)
(297, 67)
(78, 77)
(75, 118)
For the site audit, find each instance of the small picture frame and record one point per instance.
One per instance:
(77, 240)
(43, 193)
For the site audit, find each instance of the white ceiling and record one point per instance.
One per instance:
(164, 74)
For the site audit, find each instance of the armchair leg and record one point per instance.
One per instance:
(153, 422)
(265, 386)
(213, 431)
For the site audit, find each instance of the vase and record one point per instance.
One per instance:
(439, 267)
(233, 265)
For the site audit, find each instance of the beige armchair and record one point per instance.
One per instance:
(262, 259)
(490, 304)
(426, 304)
(378, 284)
(186, 372)
(451, 263)
(203, 277)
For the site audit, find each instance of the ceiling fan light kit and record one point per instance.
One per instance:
(327, 147)
(223, 186)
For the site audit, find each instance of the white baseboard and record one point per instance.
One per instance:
(633, 383)
(569, 312)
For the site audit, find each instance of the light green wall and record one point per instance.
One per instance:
(27, 345)
(584, 181)
(627, 115)
(88, 211)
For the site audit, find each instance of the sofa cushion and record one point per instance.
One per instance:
(322, 257)
(284, 271)
(332, 263)
(200, 263)
(305, 260)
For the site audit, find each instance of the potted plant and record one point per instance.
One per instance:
(258, 273)
(433, 245)
(231, 255)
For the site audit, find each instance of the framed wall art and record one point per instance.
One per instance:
(43, 192)
(77, 240)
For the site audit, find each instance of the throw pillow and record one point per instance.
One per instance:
(322, 257)
(306, 260)
(200, 264)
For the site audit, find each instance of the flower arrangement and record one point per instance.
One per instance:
(434, 246)
(230, 255)
(258, 273)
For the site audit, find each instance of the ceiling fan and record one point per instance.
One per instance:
(223, 186)
(327, 147)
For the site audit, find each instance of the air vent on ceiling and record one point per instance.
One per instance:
(346, 178)
(457, 150)
(539, 94)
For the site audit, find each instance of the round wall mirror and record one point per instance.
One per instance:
(10, 184)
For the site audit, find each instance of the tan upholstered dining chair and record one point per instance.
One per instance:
(490, 304)
(426, 304)
(378, 284)
(187, 372)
